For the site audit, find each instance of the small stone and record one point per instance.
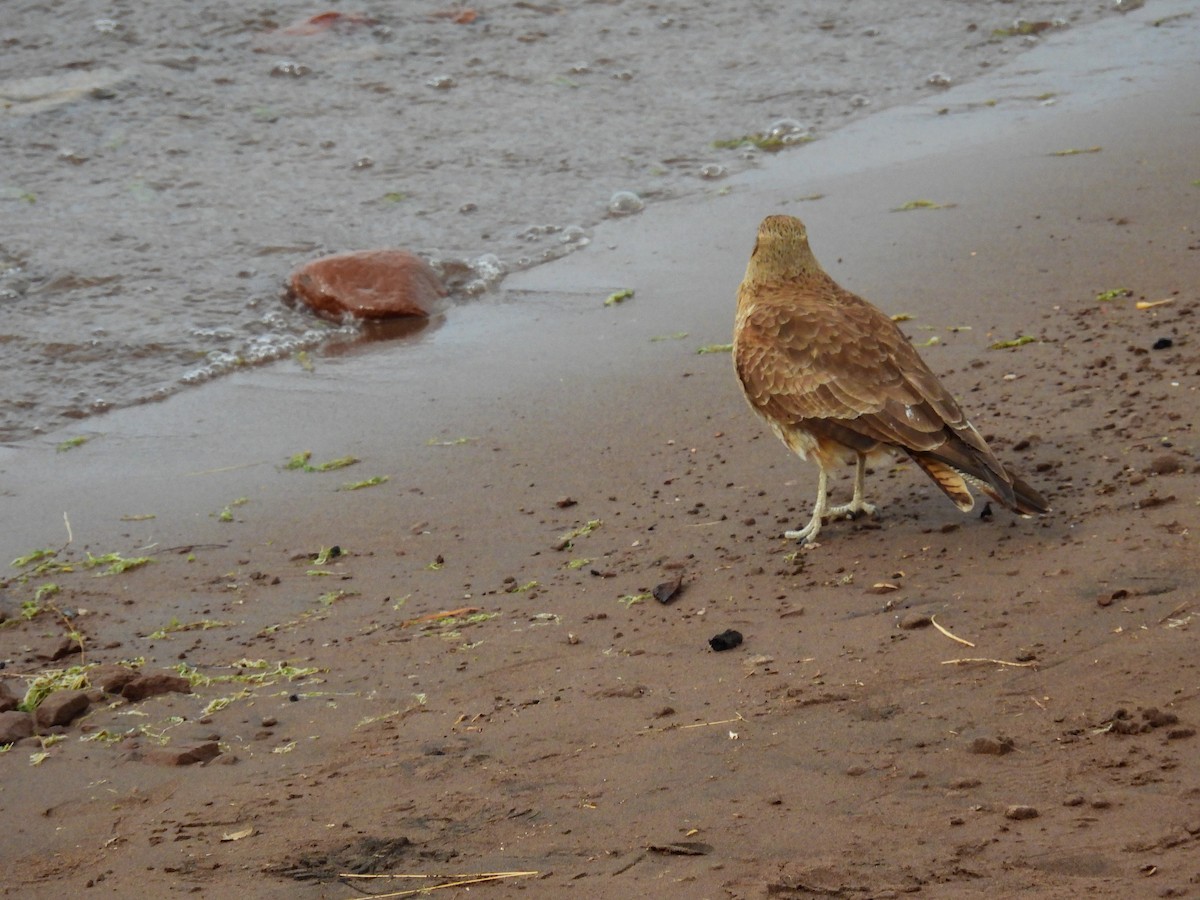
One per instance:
(60, 708)
(110, 678)
(726, 640)
(143, 686)
(8, 698)
(915, 620)
(15, 725)
(1019, 812)
(369, 284)
(183, 756)
(1074, 800)
(1168, 464)
(1176, 734)
(992, 746)
(65, 648)
(1157, 718)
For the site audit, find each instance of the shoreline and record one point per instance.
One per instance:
(575, 729)
(145, 144)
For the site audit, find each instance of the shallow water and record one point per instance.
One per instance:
(167, 165)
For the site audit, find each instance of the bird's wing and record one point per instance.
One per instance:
(807, 357)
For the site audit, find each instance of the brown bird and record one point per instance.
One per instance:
(838, 381)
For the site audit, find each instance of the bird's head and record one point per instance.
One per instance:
(781, 251)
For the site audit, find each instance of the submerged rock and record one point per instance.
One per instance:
(368, 284)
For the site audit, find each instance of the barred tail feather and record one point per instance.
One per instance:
(948, 479)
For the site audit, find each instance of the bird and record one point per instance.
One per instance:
(838, 382)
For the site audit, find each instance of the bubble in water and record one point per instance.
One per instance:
(580, 69)
(713, 171)
(574, 234)
(938, 79)
(534, 232)
(364, 162)
(106, 26)
(441, 82)
(625, 203)
(624, 75)
(781, 128)
(488, 270)
(858, 101)
(789, 131)
(468, 208)
(290, 69)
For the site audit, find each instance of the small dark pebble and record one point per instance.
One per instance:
(915, 620)
(1163, 344)
(668, 590)
(1157, 718)
(726, 640)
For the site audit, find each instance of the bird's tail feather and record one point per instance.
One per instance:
(948, 479)
(951, 467)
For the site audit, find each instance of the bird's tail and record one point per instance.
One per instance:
(951, 467)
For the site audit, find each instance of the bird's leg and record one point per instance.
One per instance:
(857, 504)
(810, 531)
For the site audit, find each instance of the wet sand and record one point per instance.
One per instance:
(575, 728)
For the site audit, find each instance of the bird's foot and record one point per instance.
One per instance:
(807, 534)
(852, 510)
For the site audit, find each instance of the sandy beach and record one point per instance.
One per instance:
(480, 680)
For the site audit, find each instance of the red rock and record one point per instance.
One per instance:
(60, 708)
(143, 686)
(8, 697)
(15, 725)
(369, 284)
(183, 756)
